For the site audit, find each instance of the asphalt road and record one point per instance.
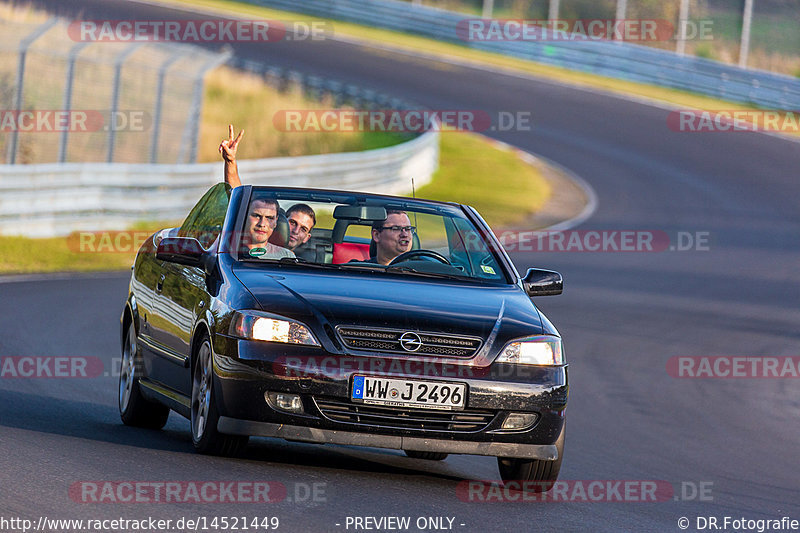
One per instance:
(623, 316)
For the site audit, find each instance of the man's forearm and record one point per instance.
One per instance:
(232, 174)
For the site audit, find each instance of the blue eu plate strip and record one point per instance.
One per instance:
(358, 387)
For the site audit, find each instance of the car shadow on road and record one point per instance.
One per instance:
(86, 420)
(352, 458)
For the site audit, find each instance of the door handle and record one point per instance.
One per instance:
(160, 284)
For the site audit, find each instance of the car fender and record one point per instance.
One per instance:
(132, 308)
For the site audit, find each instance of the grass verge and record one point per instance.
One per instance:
(492, 178)
(471, 168)
(247, 102)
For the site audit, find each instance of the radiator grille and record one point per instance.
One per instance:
(389, 340)
(404, 418)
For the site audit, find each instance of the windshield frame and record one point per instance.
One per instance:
(241, 196)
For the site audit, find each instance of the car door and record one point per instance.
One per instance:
(182, 294)
(148, 272)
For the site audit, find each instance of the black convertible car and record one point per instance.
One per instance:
(438, 351)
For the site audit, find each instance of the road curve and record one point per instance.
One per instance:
(623, 316)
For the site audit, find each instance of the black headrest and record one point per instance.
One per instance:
(280, 235)
(339, 229)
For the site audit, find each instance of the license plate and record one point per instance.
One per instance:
(409, 393)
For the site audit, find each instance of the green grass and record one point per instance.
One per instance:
(473, 170)
(777, 32)
(246, 101)
(492, 179)
(22, 255)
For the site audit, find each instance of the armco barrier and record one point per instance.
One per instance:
(617, 60)
(52, 199)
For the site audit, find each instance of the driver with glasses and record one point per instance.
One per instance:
(392, 237)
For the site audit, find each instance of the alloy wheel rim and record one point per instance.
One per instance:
(201, 391)
(127, 370)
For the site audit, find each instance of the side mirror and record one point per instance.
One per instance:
(542, 282)
(181, 250)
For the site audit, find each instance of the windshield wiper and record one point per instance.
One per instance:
(371, 267)
(303, 262)
(294, 260)
(409, 270)
(340, 266)
(362, 266)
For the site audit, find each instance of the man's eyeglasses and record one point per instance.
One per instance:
(398, 229)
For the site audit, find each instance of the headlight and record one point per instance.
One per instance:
(265, 327)
(539, 350)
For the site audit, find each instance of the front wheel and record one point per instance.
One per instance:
(542, 472)
(204, 415)
(134, 409)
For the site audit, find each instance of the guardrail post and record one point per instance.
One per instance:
(488, 8)
(683, 18)
(162, 73)
(191, 130)
(552, 13)
(24, 45)
(622, 8)
(744, 47)
(72, 57)
(112, 130)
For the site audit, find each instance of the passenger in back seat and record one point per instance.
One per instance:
(301, 220)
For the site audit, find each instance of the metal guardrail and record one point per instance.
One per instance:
(613, 59)
(57, 199)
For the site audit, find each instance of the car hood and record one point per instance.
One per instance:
(377, 299)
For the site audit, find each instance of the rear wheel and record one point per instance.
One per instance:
(544, 473)
(431, 456)
(204, 415)
(134, 409)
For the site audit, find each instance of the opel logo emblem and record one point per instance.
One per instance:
(410, 341)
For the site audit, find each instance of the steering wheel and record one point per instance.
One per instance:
(413, 254)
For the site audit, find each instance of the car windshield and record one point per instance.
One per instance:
(362, 232)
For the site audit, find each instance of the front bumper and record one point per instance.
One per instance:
(234, 426)
(252, 368)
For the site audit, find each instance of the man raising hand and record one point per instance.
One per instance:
(228, 149)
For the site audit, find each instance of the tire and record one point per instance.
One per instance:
(204, 416)
(134, 409)
(544, 472)
(431, 456)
